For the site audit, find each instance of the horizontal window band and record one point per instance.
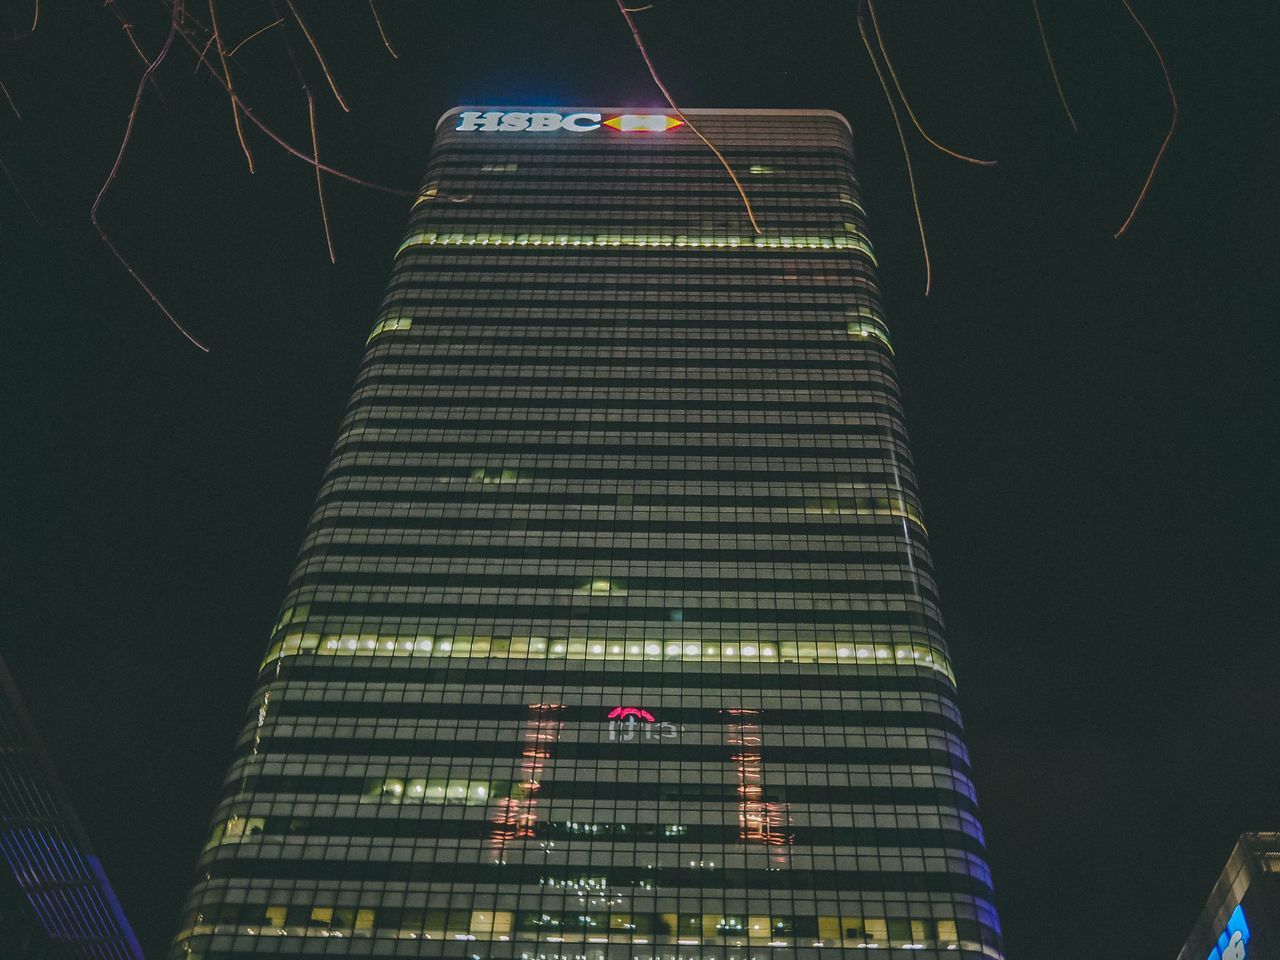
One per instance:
(655, 240)
(621, 452)
(592, 188)
(528, 552)
(746, 359)
(631, 156)
(615, 610)
(557, 382)
(460, 191)
(538, 677)
(725, 796)
(513, 488)
(502, 510)
(559, 309)
(753, 259)
(636, 173)
(368, 397)
(274, 746)
(785, 214)
(368, 421)
(440, 281)
(286, 702)
(309, 637)
(505, 298)
(729, 834)
(527, 328)
(627, 263)
(596, 932)
(617, 586)
(328, 518)
(458, 472)
(606, 342)
(659, 878)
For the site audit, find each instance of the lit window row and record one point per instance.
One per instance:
(577, 648)
(852, 241)
(869, 506)
(389, 325)
(590, 926)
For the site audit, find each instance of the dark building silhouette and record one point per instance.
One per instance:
(55, 901)
(1241, 920)
(614, 632)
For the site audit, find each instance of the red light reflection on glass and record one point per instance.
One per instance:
(516, 817)
(759, 820)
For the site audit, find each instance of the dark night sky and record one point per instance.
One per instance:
(1095, 422)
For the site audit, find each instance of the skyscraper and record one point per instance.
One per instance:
(614, 632)
(55, 900)
(1241, 919)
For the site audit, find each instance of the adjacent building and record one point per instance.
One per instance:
(1241, 920)
(614, 632)
(55, 901)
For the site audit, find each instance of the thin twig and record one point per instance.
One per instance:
(902, 138)
(315, 149)
(127, 27)
(315, 140)
(231, 87)
(257, 33)
(1048, 55)
(115, 170)
(202, 53)
(17, 190)
(1173, 122)
(35, 17)
(635, 34)
(13, 106)
(382, 33)
(193, 43)
(875, 23)
(319, 56)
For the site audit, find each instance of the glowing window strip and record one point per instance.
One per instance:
(605, 923)
(390, 325)
(846, 506)
(298, 642)
(852, 241)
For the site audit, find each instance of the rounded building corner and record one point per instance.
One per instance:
(839, 116)
(454, 111)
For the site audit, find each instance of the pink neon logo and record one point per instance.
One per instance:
(621, 713)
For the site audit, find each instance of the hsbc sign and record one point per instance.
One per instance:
(497, 121)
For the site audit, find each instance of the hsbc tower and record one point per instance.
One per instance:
(614, 632)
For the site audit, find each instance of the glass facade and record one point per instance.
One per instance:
(55, 900)
(1241, 920)
(614, 632)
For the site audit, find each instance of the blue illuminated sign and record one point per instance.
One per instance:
(1231, 944)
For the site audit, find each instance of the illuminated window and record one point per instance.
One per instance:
(840, 649)
(869, 328)
(390, 325)
(500, 475)
(603, 588)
